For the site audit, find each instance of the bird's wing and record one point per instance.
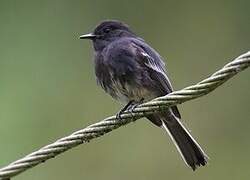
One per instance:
(152, 61)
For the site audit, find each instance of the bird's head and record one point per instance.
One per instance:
(106, 32)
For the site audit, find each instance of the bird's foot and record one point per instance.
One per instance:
(118, 115)
(130, 108)
(133, 106)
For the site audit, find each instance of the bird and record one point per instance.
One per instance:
(132, 72)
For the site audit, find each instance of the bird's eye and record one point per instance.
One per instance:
(107, 30)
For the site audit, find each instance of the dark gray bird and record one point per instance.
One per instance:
(128, 69)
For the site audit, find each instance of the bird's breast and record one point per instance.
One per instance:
(126, 91)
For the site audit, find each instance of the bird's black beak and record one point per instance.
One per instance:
(88, 36)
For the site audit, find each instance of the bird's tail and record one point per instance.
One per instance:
(189, 149)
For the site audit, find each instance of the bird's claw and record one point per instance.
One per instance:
(130, 107)
(132, 110)
(118, 115)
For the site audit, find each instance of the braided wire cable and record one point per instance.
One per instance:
(100, 128)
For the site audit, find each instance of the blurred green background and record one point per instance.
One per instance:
(48, 89)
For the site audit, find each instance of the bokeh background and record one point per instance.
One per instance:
(48, 89)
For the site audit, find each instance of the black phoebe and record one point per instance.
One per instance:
(128, 69)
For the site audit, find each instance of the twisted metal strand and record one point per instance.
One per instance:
(100, 128)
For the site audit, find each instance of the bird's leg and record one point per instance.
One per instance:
(130, 107)
(126, 107)
(134, 105)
